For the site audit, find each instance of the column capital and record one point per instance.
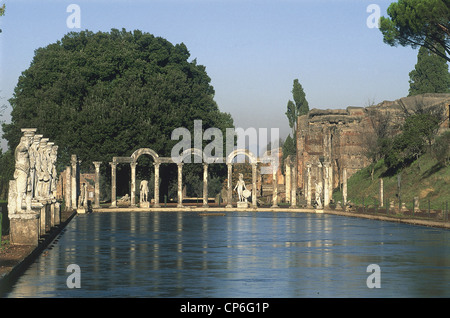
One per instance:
(28, 132)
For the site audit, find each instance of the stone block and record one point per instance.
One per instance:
(25, 229)
(242, 205)
(144, 204)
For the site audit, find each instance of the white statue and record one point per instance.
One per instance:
(22, 173)
(52, 168)
(240, 186)
(82, 200)
(42, 173)
(319, 194)
(34, 163)
(143, 191)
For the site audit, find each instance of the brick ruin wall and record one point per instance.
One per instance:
(340, 135)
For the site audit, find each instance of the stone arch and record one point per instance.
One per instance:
(144, 151)
(253, 160)
(180, 161)
(191, 152)
(246, 152)
(134, 157)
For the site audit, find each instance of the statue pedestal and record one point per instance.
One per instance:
(25, 228)
(242, 205)
(144, 204)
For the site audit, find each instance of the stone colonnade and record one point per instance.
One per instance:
(323, 186)
(32, 206)
(132, 160)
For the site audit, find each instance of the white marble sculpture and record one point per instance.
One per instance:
(143, 191)
(240, 186)
(319, 195)
(34, 163)
(42, 173)
(22, 172)
(82, 199)
(53, 154)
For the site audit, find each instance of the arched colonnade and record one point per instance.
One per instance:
(132, 161)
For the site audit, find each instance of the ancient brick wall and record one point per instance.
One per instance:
(340, 135)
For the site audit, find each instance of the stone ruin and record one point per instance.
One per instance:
(339, 137)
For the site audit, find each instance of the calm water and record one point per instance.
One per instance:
(170, 254)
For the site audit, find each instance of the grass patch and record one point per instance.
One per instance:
(424, 178)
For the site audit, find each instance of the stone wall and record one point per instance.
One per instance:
(340, 135)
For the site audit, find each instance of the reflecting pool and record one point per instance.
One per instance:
(239, 254)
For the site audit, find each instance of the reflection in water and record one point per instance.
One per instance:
(239, 255)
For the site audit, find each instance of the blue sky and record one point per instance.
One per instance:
(252, 49)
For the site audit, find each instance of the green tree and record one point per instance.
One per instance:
(297, 107)
(430, 74)
(441, 149)
(2, 12)
(100, 95)
(418, 131)
(418, 23)
(288, 150)
(300, 98)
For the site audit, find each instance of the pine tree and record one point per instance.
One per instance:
(300, 98)
(297, 107)
(430, 74)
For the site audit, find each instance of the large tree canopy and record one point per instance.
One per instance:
(419, 23)
(430, 74)
(100, 95)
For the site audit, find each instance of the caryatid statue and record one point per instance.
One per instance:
(143, 194)
(34, 164)
(22, 173)
(43, 174)
(52, 153)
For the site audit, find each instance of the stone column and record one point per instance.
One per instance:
(133, 184)
(381, 193)
(344, 186)
(287, 180)
(229, 186)
(326, 194)
(113, 184)
(274, 186)
(205, 185)
(67, 190)
(294, 186)
(308, 185)
(180, 185)
(254, 202)
(74, 187)
(156, 205)
(97, 184)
